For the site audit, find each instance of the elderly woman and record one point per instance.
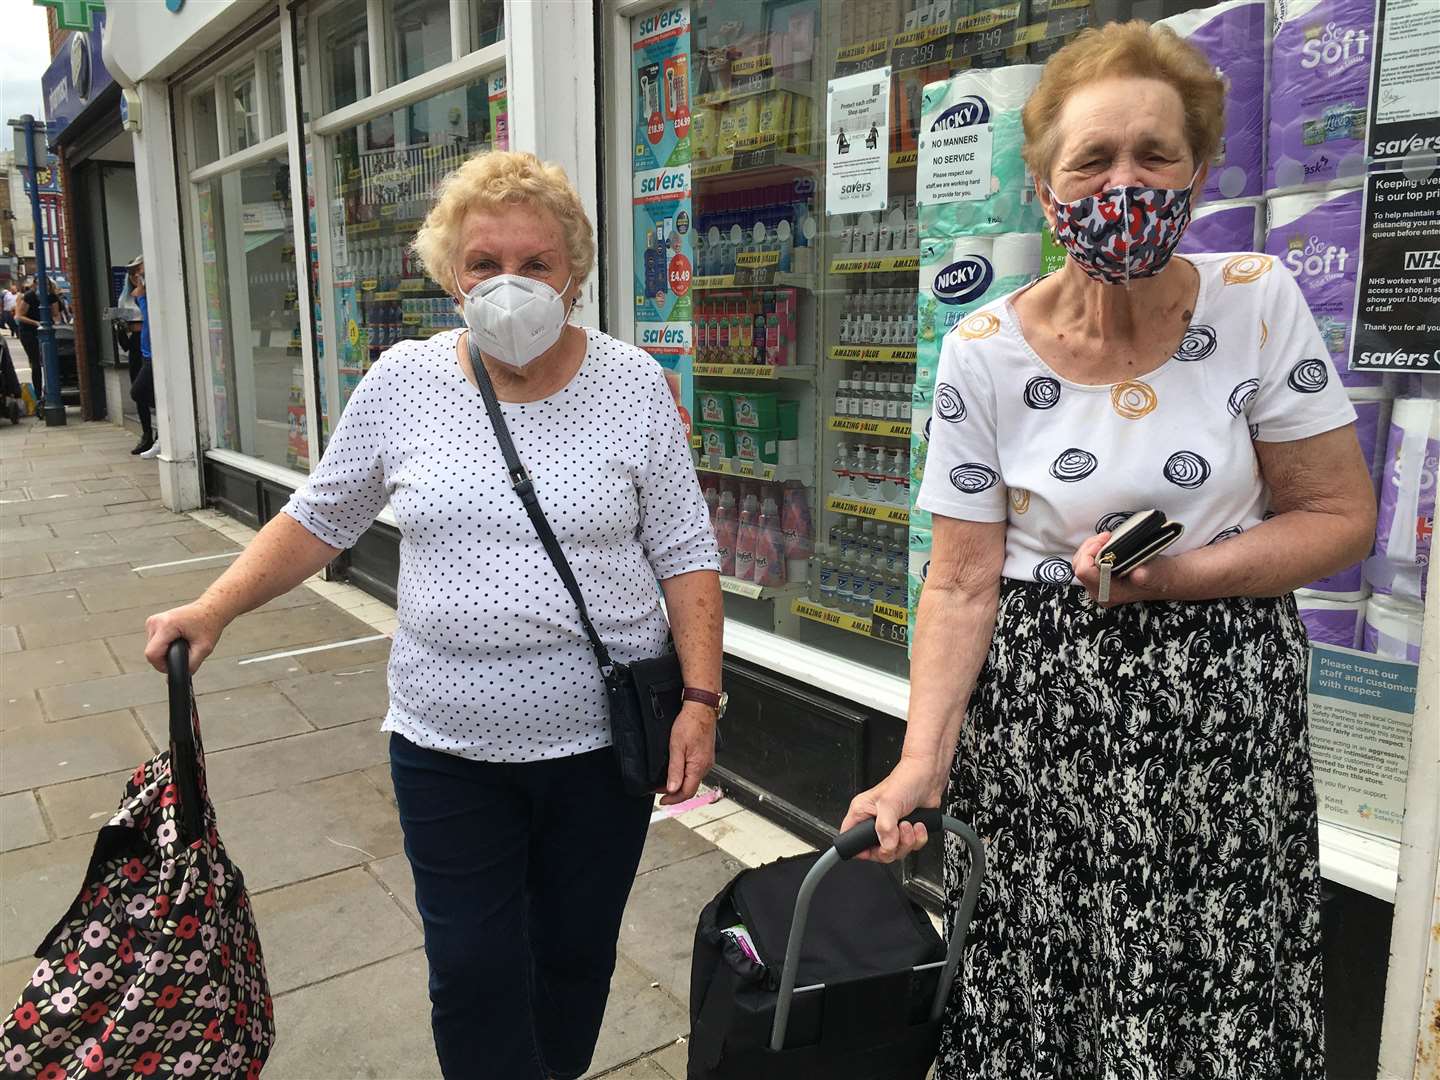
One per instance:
(522, 840)
(1139, 768)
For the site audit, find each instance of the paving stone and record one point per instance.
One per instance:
(21, 534)
(260, 632)
(239, 717)
(668, 842)
(145, 687)
(62, 631)
(59, 664)
(14, 977)
(178, 525)
(282, 763)
(50, 513)
(752, 839)
(9, 640)
(206, 541)
(132, 590)
(39, 755)
(351, 658)
(309, 929)
(17, 611)
(379, 775)
(19, 710)
(674, 1059)
(302, 832)
(17, 566)
(80, 807)
(20, 822)
(644, 1069)
(131, 552)
(638, 1018)
(658, 930)
(397, 878)
(40, 882)
(88, 578)
(339, 697)
(374, 1022)
(113, 523)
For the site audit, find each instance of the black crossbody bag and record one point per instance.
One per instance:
(644, 696)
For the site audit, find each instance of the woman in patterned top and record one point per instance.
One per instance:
(1139, 767)
(521, 838)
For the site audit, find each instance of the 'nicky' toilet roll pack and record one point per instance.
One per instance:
(1319, 91)
(1232, 37)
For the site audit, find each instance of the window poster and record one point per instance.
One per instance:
(1397, 301)
(1361, 706)
(857, 142)
(1405, 95)
(664, 243)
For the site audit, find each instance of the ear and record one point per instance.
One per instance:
(1042, 196)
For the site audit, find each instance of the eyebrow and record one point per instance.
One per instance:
(483, 254)
(1100, 146)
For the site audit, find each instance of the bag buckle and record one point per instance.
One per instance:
(1107, 567)
(520, 481)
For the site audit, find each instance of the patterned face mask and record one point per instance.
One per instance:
(1123, 232)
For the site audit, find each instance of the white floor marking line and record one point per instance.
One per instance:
(183, 562)
(314, 649)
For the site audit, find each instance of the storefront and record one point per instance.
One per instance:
(798, 311)
(101, 216)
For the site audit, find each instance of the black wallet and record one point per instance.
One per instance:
(1137, 540)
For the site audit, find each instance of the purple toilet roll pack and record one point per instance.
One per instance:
(1328, 622)
(1232, 37)
(1225, 226)
(1316, 234)
(1406, 516)
(1319, 91)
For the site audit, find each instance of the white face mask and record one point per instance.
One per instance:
(514, 318)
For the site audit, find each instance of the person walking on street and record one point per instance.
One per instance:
(523, 841)
(1135, 753)
(27, 314)
(7, 316)
(135, 335)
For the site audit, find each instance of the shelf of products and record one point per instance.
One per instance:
(754, 371)
(886, 622)
(754, 591)
(877, 354)
(754, 470)
(890, 429)
(840, 504)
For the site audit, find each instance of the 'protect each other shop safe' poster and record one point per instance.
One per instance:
(663, 210)
(857, 150)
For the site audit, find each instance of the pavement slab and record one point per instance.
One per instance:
(38, 755)
(59, 664)
(82, 806)
(639, 1017)
(21, 824)
(241, 717)
(340, 697)
(19, 710)
(40, 883)
(279, 764)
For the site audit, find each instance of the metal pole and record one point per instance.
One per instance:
(54, 407)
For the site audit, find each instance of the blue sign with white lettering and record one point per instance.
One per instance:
(75, 78)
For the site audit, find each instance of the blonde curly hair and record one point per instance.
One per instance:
(1132, 50)
(496, 178)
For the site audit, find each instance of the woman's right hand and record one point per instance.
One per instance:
(194, 622)
(911, 784)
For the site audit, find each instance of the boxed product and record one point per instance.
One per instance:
(715, 442)
(754, 410)
(760, 445)
(713, 407)
(704, 133)
(776, 117)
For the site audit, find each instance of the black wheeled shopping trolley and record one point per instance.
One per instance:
(865, 976)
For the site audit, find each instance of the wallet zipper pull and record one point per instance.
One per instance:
(1106, 565)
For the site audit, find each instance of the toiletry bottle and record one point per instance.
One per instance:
(726, 530)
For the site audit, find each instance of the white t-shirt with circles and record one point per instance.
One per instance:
(1010, 440)
(490, 661)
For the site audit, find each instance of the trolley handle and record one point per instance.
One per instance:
(184, 754)
(847, 845)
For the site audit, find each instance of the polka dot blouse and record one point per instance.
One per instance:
(1010, 440)
(490, 661)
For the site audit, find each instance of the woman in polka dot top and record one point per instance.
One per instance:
(522, 841)
(1139, 766)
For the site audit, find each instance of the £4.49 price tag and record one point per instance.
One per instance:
(679, 275)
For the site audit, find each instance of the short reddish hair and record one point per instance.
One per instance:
(1131, 50)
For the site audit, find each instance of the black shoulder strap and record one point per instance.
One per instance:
(520, 482)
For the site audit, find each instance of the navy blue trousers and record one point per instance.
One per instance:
(521, 876)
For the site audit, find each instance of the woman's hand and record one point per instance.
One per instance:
(692, 752)
(1158, 579)
(194, 622)
(911, 784)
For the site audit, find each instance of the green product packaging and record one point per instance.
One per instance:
(759, 445)
(754, 410)
(789, 419)
(715, 442)
(714, 407)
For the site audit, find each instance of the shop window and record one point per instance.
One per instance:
(487, 22)
(242, 109)
(419, 37)
(383, 174)
(252, 314)
(276, 107)
(204, 128)
(344, 43)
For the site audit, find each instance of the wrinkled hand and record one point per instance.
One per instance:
(193, 622)
(1156, 580)
(911, 784)
(692, 752)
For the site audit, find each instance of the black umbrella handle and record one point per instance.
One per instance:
(184, 754)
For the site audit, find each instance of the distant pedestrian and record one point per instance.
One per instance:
(135, 336)
(7, 316)
(521, 836)
(27, 314)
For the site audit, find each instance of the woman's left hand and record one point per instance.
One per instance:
(692, 752)
(1158, 579)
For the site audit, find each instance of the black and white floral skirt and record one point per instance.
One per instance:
(1141, 778)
